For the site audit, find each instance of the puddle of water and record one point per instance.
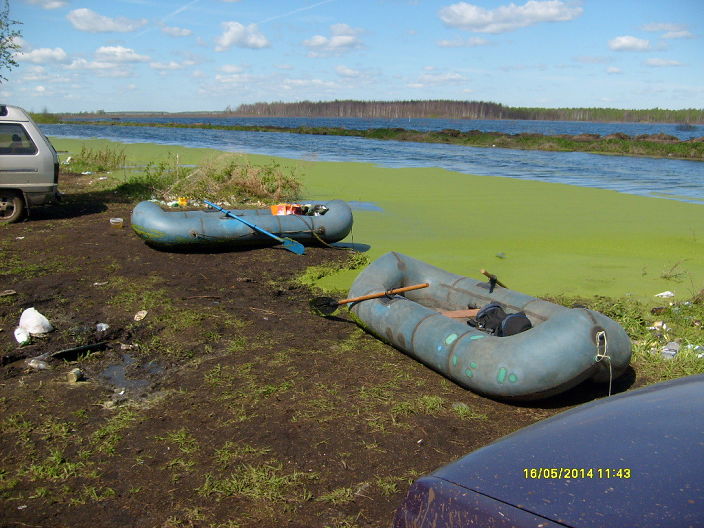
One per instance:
(117, 374)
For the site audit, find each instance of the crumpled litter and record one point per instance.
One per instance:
(665, 295)
(22, 336)
(31, 323)
(670, 350)
(659, 326)
(34, 322)
(37, 364)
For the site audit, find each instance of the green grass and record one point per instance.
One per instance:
(262, 482)
(465, 412)
(106, 438)
(182, 439)
(337, 496)
(232, 451)
(55, 467)
(313, 274)
(104, 159)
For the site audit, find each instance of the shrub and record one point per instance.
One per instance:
(98, 160)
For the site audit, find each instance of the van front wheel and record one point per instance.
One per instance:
(11, 206)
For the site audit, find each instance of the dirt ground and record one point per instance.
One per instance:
(228, 405)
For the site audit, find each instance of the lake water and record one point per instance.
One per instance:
(661, 178)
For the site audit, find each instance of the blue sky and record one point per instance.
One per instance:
(209, 54)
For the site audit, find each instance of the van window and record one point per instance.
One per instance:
(15, 140)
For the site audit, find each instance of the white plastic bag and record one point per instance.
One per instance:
(22, 336)
(34, 322)
(665, 294)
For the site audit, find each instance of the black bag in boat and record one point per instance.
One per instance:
(514, 323)
(494, 320)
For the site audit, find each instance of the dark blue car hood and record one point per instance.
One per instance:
(654, 435)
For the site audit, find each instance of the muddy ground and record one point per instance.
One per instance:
(228, 405)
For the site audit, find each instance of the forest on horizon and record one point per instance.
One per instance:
(438, 109)
(449, 109)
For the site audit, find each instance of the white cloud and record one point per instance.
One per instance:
(662, 26)
(235, 34)
(34, 73)
(612, 70)
(677, 34)
(671, 31)
(83, 64)
(176, 31)
(100, 68)
(629, 43)
(588, 59)
(47, 4)
(290, 84)
(344, 71)
(21, 43)
(662, 63)
(87, 20)
(231, 68)
(506, 18)
(441, 78)
(462, 43)
(167, 66)
(436, 79)
(343, 38)
(42, 55)
(119, 54)
(235, 78)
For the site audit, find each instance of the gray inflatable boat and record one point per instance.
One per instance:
(181, 229)
(564, 347)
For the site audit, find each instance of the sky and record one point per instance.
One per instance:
(208, 55)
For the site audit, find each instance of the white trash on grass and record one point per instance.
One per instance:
(31, 323)
(665, 295)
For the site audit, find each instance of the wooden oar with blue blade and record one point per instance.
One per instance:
(291, 245)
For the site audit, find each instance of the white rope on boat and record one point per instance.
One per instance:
(601, 336)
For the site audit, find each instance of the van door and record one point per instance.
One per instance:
(28, 162)
(20, 165)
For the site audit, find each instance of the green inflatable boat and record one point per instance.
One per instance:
(563, 347)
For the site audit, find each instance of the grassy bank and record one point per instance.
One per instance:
(656, 145)
(540, 238)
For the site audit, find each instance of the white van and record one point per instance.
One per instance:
(29, 165)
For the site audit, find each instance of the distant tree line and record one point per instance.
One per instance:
(461, 110)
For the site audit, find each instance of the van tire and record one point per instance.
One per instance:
(11, 206)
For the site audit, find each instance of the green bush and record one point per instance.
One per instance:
(97, 160)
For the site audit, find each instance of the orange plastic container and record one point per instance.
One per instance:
(285, 209)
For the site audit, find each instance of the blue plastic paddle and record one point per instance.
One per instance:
(291, 245)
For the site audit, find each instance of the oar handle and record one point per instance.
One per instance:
(289, 244)
(492, 277)
(382, 294)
